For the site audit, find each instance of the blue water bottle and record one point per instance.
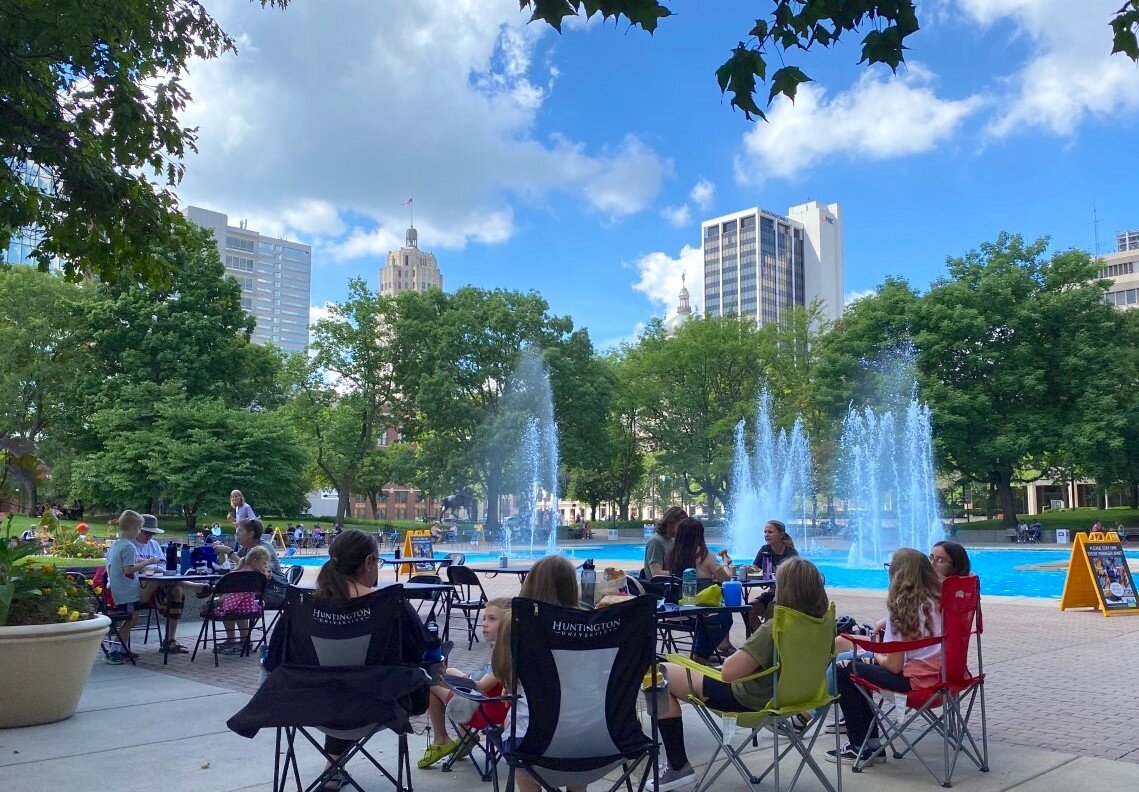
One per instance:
(688, 587)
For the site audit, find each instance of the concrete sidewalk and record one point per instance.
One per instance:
(138, 729)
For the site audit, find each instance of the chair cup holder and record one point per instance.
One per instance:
(657, 696)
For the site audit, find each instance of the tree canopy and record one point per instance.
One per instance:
(89, 100)
(801, 25)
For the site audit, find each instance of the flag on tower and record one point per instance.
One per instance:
(408, 202)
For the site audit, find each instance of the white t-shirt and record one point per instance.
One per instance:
(935, 626)
(152, 549)
(243, 512)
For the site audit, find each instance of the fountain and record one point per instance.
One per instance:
(885, 474)
(529, 405)
(773, 482)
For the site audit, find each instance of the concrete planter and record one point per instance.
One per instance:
(44, 668)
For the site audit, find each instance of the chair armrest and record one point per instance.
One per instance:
(477, 695)
(890, 647)
(714, 673)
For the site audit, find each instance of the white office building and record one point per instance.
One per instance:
(275, 277)
(409, 268)
(760, 264)
(1122, 269)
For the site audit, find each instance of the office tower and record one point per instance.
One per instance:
(410, 268)
(24, 240)
(760, 264)
(1122, 269)
(275, 277)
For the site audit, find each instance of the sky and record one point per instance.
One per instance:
(580, 164)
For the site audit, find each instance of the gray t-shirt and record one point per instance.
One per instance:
(655, 551)
(122, 554)
(242, 550)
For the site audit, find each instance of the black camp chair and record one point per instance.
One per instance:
(579, 673)
(348, 671)
(294, 575)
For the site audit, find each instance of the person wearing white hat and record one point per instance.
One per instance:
(168, 600)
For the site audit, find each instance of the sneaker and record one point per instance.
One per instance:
(434, 752)
(831, 728)
(848, 753)
(234, 648)
(675, 779)
(114, 658)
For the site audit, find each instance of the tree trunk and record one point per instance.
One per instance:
(1134, 496)
(191, 515)
(373, 505)
(1003, 481)
(33, 494)
(493, 518)
(624, 506)
(343, 501)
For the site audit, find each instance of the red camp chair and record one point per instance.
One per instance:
(945, 707)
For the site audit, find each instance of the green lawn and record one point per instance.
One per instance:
(101, 529)
(1075, 519)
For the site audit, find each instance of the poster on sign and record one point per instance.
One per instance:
(1098, 576)
(421, 547)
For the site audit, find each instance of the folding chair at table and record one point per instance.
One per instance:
(417, 598)
(470, 599)
(579, 673)
(241, 582)
(294, 575)
(955, 694)
(804, 648)
(348, 671)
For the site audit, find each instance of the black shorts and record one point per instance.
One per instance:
(718, 696)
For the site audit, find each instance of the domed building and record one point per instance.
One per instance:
(683, 309)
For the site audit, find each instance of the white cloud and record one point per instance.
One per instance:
(702, 193)
(318, 312)
(1069, 74)
(878, 118)
(677, 216)
(854, 296)
(333, 113)
(660, 278)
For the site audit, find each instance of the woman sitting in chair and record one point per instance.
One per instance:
(351, 571)
(913, 611)
(689, 551)
(552, 580)
(799, 586)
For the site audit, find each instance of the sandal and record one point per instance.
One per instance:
(334, 782)
(173, 647)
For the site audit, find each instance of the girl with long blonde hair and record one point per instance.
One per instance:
(913, 611)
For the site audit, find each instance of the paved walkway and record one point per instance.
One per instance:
(1061, 688)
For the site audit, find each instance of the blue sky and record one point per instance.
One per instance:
(567, 164)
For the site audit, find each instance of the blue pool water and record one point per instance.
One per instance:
(1001, 571)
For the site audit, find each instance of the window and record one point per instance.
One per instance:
(401, 496)
(247, 303)
(239, 263)
(237, 243)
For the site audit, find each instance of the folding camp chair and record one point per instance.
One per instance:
(955, 694)
(480, 738)
(243, 581)
(470, 599)
(348, 671)
(804, 648)
(580, 673)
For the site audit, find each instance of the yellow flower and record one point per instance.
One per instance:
(73, 590)
(48, 569)
(73, 616)
(98, 590)
(62, 610)
(45, 591)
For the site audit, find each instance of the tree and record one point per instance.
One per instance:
(346, 397)
(690, 391)
(454, 359)
(1010, 349)
(798, 25)
(157, 446)
(91, 94)
(41, 341)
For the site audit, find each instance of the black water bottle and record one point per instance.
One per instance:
(172, 557)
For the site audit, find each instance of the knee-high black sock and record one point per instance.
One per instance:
(672, 735)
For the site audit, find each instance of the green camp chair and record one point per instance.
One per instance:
(804, 648)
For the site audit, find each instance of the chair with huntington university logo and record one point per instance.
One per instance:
(577, 675)
(348, 670)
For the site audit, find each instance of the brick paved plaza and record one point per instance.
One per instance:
(1060, 695)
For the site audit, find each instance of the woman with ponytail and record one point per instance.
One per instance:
(352, 568)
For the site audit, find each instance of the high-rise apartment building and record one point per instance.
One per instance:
(1122, 269)
(24, 240)
(275, 277)
(1126, 240)
(760, 264)
(410, 268)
